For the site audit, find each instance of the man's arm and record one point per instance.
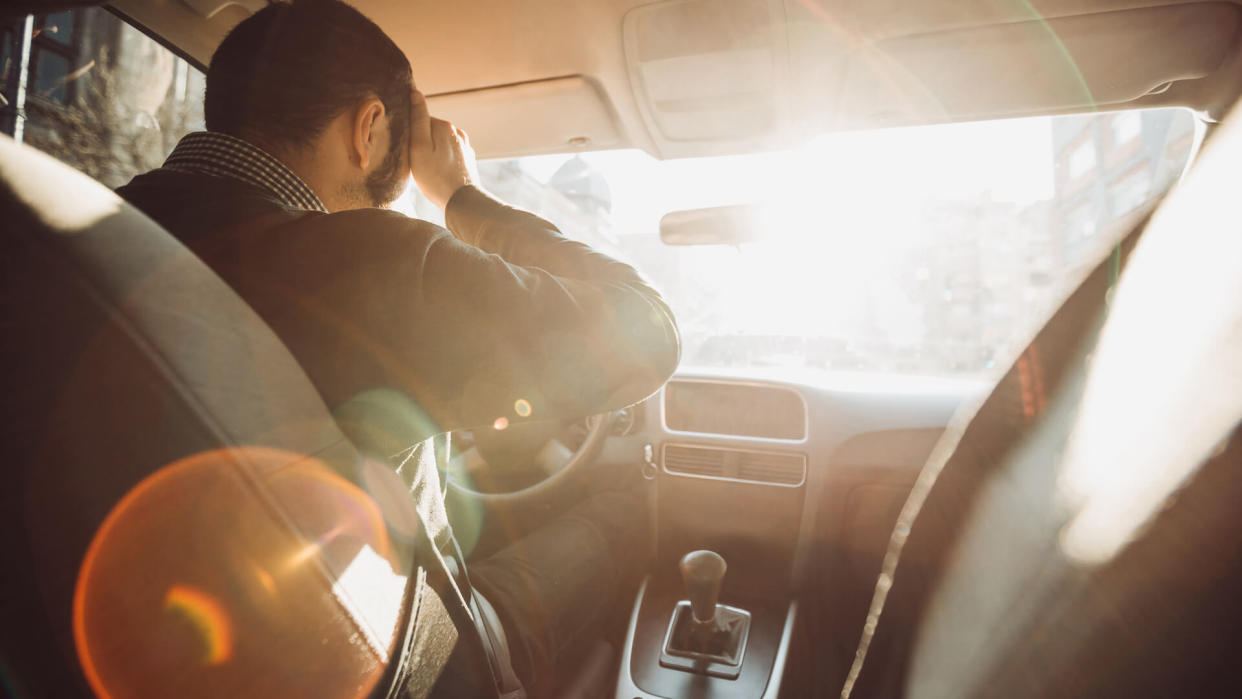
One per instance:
(527, 314)
(570, 330)
(371, 299)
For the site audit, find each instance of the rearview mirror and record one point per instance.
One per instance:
(717, 225)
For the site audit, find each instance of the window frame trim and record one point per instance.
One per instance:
(146, 31)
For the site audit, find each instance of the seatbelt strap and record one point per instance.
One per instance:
(484, 617)
(470, 609)
(487, 623)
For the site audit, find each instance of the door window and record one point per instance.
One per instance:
(100, 95)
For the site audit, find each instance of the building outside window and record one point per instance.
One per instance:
(1146, 152)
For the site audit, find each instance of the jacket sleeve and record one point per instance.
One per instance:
(502, 317)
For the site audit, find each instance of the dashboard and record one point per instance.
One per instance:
(769, 470)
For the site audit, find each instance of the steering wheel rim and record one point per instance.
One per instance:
(599, 429)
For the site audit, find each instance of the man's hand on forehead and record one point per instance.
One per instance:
(441, 159)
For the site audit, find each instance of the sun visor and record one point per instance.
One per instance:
(724, 76)
(1093, 61)
(544, 116)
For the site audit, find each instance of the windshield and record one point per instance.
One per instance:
(921, 250)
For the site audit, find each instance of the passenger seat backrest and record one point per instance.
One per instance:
(979, 441)
(1090, 528)
(1101, 558)
(124, 354)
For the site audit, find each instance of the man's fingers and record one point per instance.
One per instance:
(441, 131)
(420, 117)
(428, 129)
(442, 161)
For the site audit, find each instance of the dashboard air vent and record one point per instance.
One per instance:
(695, 461)
(776, 468)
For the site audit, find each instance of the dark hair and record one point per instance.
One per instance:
(282, 74)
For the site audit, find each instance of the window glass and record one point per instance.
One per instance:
(51, 75)
(1130, 191)
(57, 27)
(1082, 159)
(105, 98)
(1126, 127)
(926, 250)
(1079, 223)
(6, 66)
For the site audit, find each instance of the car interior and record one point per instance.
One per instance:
(1055, 517)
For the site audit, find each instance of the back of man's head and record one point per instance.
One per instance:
(284, 73)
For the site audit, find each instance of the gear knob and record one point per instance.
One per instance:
(703, 572)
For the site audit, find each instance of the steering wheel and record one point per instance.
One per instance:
(522, 442)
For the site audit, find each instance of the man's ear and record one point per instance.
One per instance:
(366, 135)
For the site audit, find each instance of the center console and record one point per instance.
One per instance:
(728, 486)
(686, 640)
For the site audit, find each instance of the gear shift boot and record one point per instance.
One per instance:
(716, 647)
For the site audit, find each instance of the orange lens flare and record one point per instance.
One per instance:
(208, 617)
(265, 579)
(187, 590)
(347, 506)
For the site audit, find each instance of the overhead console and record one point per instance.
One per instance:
(707, 73)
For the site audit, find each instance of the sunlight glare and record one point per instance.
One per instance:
(843, 204)
(370, 586)
(1167, 367)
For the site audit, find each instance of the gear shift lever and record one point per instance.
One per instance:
(703, 572)
(704, 636)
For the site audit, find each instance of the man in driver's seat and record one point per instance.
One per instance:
(313, 127)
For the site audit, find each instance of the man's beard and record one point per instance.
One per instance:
(389, 180)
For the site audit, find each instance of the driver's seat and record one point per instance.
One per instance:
(163, 448)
